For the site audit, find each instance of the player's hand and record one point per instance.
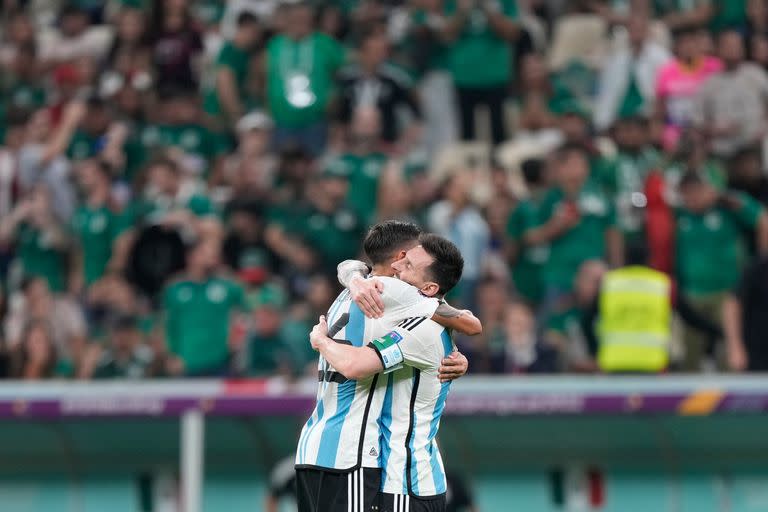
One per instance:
(319, 333)
(453, 367)
(366, 293)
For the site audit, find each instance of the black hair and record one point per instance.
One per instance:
(123, 322)
(17, 117)
(637, 254)
(448, 262)
(568, 149)
(690, 178)
(533, 171)
(248, 206)
(71, 9)
(685, 30)
(169, 92)
(247, 18)
(389, 236)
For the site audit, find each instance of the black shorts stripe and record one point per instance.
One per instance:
(406, 503)
(326, 491)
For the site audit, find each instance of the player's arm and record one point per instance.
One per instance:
(460, 320)
(366, 293)
(353, 362)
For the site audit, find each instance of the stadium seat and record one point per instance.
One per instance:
(577, 37)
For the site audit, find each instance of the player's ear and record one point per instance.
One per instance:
(430, 289)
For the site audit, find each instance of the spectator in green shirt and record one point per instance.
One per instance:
(228, 99)
(42, 244)
(363, 163)
(301, 65)
(331, 228)
(126, 356)
(624, 175)
(198, 307)
(527, 262)
(577, 220)
(181, 128)
(711, 251)
(479, 34)
(95, 225)
(268, 353)
(22, 84)
(90, 137)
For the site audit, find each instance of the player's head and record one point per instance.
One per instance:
(388, 241)
(434, 266)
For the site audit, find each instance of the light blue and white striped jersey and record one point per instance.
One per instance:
(413, 405)
(342, 433)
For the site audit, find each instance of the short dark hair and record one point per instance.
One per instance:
(533, 171)
(389, 236)
(247, 18)
(448, 262)
(690, 178)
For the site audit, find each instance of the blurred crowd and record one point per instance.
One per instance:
(179, 178)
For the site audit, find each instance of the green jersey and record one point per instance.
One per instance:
(528, 267)
(334, 236)
(624, 179)
(84, 145)
(236, 60)
(364, 174)
(585, 241)
(194, 139)
(710, 247)
(266, 354)
(479, 57)
(197, 316)
(95, 230)
(300, 78)
(40, 258)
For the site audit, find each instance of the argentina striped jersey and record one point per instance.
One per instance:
(413, 405)
(342, 433)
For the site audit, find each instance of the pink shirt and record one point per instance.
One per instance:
(678, 84)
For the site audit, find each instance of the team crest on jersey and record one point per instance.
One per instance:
(216, 292)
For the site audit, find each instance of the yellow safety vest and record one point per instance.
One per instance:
(634, 325)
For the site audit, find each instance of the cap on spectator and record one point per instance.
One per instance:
(336, 168)
(270, 295)
(256, 120)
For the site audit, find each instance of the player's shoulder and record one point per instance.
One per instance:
(395, 287)
(421, 326)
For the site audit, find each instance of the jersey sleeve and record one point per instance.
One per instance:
(408, 345)
(402, 300)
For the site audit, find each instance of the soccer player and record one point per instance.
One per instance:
(413, 477)
(337, 460)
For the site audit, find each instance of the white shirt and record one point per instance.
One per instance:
(414, 401)
(343, 431)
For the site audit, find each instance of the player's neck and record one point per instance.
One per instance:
(382, 270)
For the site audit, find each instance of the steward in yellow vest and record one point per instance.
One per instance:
(635, 314)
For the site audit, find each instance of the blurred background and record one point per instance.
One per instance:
(179, 179)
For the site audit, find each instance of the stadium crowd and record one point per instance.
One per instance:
(179, 178)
